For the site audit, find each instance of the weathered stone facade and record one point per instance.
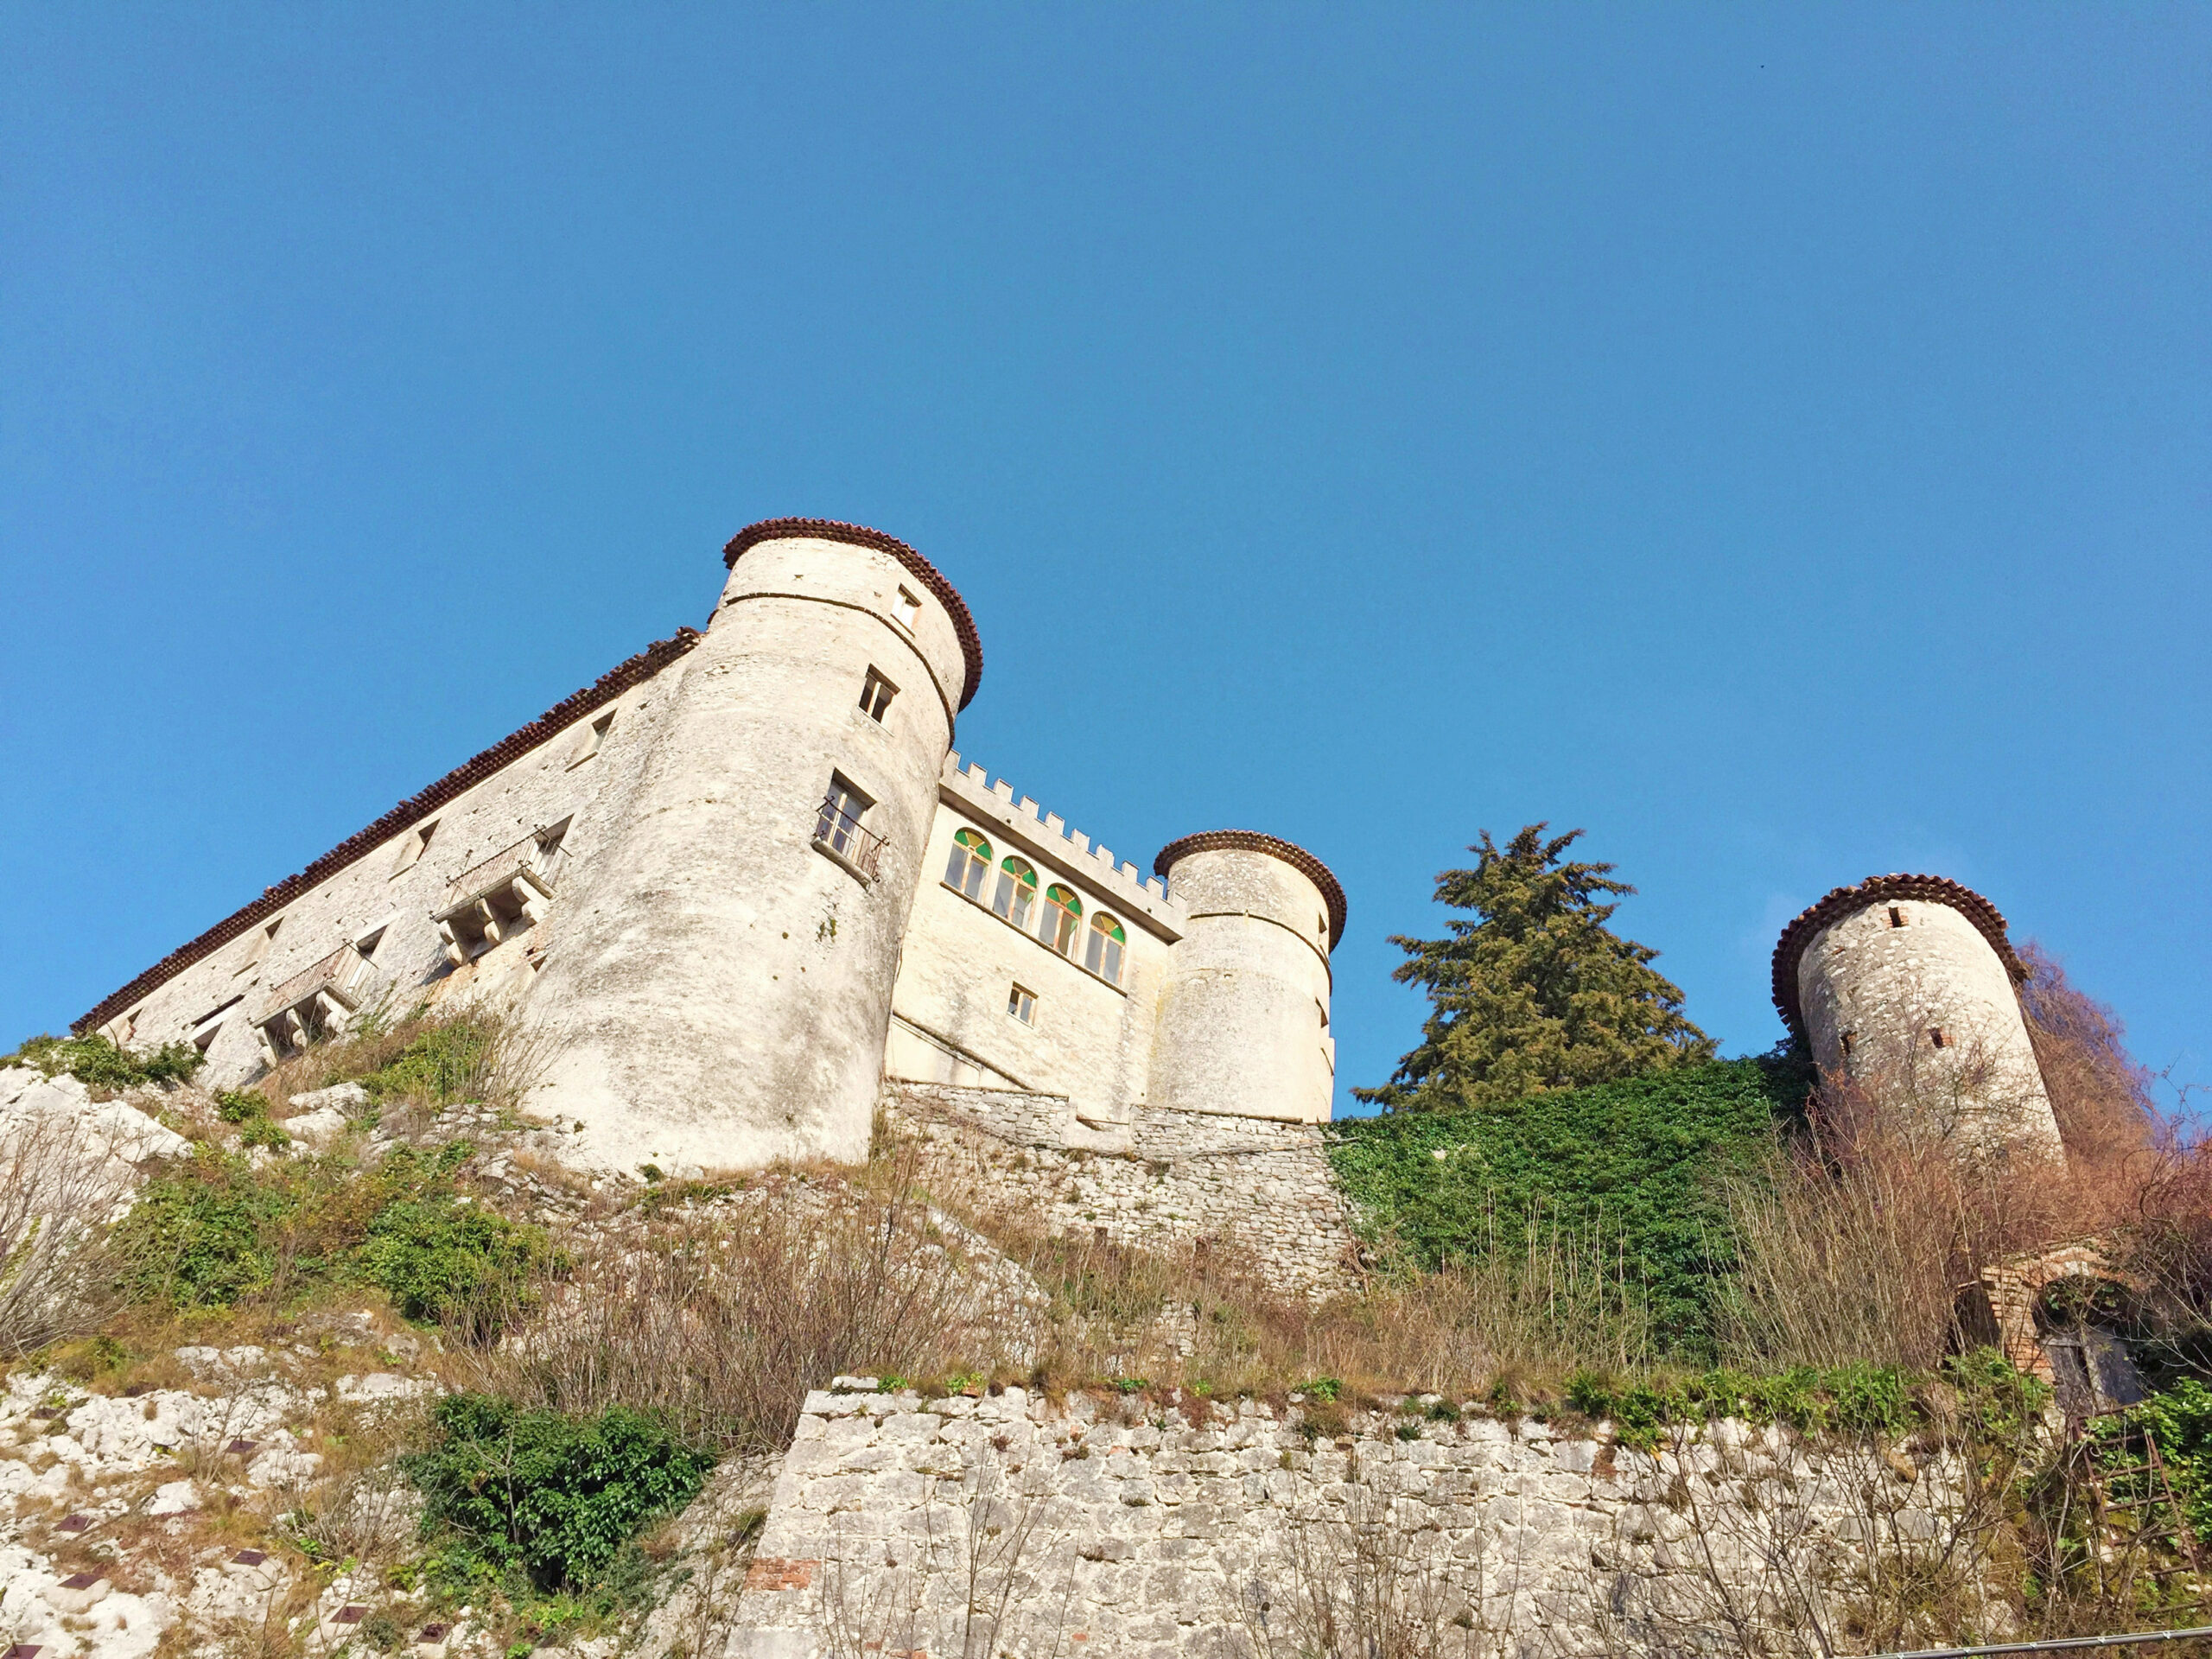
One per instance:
(1258, 1190)
(1131, 1526)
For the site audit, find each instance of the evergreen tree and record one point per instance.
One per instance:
(1535, 993)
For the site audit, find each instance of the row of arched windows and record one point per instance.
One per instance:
(1013, 894)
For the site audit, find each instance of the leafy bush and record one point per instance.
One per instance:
(250, 1111)
(540, 1496)
(441, 1261)
(2181, 1421)
(1635, 1166)
(99, 1063)
(216, 1230)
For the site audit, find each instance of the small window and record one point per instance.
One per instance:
(1101, 952)
(1021, 1003)
(876, 693)
(970, 864)
(906, 610)
(1062, 908)
(416, 844)
(367, 944)
(1017, 894)
(592, 739)
(1850, 1042)
(1936, 1036)
(1896, 917)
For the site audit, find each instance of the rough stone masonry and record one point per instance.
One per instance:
(1005, 1523)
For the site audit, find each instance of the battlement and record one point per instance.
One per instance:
(1047, 836)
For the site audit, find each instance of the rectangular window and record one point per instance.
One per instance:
(1021, 1003)
(906, 610)
(1850, 1042)
(1936, 1036)
(876, 693)
(367, 944)
(1896, 917)
(204, 1029)
(416, 843)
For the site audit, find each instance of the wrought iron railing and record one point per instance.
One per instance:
(527, 860)
(838, 828)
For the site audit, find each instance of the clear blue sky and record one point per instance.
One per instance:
(1774, 439)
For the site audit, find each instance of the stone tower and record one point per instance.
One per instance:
(1243, 1025)
(1907, 985)
(721, 988)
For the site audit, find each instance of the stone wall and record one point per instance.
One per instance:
(1128, 1526)
(1260, 1190)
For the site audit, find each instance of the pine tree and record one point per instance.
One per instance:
(1536, 993)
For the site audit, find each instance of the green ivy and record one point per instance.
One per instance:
(543, 1499)
(99, 1063)
(1633, 1167)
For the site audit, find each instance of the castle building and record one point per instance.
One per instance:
(743, 882)
(1908, 987)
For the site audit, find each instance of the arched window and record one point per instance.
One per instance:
(971, 863)
(1102, 952)
(1061, 910)
(1017, 894)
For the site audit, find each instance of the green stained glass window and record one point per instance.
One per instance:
(1017, 892)
(1061, 909)
(969, 865)
(1103, 950)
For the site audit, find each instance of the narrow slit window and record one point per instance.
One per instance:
(970, 864)
(1896, 917)
(592, 739)
(1936, 1036)
(1101, 952)
(416, 844)
(259, 948)
(1063, 912)
(906, 609)
(1016, 897)
(876, 693)
(1021, 1003)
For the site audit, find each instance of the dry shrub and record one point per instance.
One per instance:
(721, 1318)
(59, 1185)
(2100, 1094)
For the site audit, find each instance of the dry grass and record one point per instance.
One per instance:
(722, 1316)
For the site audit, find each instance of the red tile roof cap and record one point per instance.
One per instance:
(829, 530)
(1251, 840)
(1844, 901)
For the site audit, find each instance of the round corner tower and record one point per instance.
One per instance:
(1243, 1023)
(1908, 986)
(722, 991)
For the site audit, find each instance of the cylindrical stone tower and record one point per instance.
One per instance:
(1243, 1026)
(1907, 985)
(720, 991)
